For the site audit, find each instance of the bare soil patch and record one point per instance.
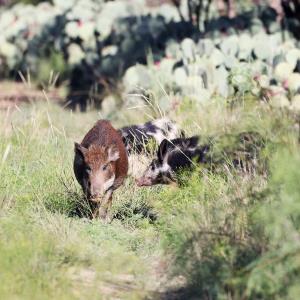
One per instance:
(15, 93)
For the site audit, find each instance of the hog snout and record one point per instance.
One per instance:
(102, 188)
(143, 181)
(96, 195)
(96, 190)
(96, 198)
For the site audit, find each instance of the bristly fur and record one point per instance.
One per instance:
(100, 157)
(96, 155)
(136, 137)
(173, 156)
(183, 153)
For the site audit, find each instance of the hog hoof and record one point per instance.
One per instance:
(102, 213)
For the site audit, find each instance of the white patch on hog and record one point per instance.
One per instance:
(165, 125)
(164, 168)
(109, 183)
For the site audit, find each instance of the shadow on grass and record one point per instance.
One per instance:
(177, 294)
(142, 211)
(72, 203)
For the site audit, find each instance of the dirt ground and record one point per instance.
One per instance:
(14, 93)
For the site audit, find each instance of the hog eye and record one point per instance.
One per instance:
(88, 170)
(154, 166)
(104, 167)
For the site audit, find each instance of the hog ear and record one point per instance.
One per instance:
(113, 154)
(191, 142)
(162, 149)
(80, 150)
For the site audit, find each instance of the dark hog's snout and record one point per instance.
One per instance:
(154, 174)
(150, 175)
(144, 181)
(153, 177)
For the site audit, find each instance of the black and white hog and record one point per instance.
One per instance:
(136, 137)
(172, 157)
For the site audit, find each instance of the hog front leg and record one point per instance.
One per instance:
(105, 206)
(95, 214)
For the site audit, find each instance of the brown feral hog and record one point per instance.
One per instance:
(100, 165)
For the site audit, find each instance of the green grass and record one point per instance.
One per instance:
(45, 247)
(215, 237)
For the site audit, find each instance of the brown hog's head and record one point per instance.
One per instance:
(96, 167)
